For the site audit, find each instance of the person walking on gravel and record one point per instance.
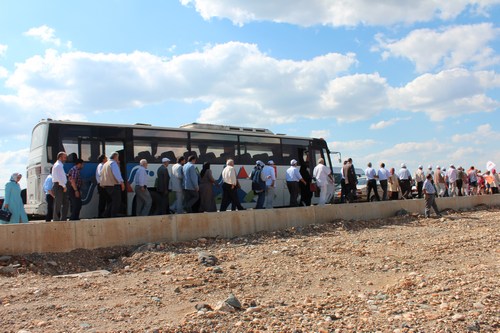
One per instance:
(430, 197)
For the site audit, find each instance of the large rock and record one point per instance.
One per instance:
(207, 259)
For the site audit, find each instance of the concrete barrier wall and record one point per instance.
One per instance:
(91, 234)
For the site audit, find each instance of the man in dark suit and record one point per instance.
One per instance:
(163, 187)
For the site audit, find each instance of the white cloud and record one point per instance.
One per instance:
(386, 123)
(45, 34)
(483, 134)
(343, 97)
(450, 93)
(320, 134)
(337, 13)
(352, 145)
(11, 162)
(4, 73)
(3, 49)
(241, 79)
(448, 47)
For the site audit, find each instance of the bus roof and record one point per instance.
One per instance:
(193, 127)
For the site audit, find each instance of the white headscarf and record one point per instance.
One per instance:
(14, 177)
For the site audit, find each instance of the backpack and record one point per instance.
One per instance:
(258, 184)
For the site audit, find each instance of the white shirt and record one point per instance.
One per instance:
(383, 174)
(229, 175)
(98, 171)
(293, 174)
(177, 176)
(451, 173)
(404, 174)
(370, 173)
(58, 174)
(269, 175)
(419, 176)
(321, 173)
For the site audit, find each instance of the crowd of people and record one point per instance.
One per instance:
(195, 192)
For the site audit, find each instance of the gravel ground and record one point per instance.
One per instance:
(403, 274)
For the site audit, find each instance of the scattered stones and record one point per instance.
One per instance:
(347, 276)
(4, 259)
(233, 301)
(207, 259)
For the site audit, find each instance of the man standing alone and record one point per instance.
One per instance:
(163, 187)
(60, 181)
(430, 196)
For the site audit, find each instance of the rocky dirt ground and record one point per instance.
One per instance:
(403, 274)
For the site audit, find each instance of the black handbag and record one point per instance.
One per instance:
(5, 215)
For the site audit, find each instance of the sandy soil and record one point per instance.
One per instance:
(403, 274)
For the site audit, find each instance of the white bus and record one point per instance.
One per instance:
(210, 143)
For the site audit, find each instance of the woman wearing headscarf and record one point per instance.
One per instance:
(207, 199)
(13, 201)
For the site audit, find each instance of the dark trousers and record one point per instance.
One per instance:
(293, 188)
(420, 186)
(342, 190)
(350, 192)
(75, 204)
(50, 207)
(305, 194)
(261, 197)
(460, 183)
(164, 204)
(104, 201)
(405, 188)
(430, 201)
(190, 198)
(383, 186)
(61, 203)
(230, 196)
(371, 185)
(394, 195)
(115, 195)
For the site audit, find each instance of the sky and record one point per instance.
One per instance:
(412, 82)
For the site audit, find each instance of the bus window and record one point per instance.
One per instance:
(293, 149)
(213, 148)
(171, 150)
(112, 146)
(143, 150)
(90, 150)
(253, 149)
(70, 146)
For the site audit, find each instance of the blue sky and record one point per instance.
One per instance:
(385, 81)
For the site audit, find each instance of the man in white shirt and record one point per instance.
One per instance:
(451, 177)
(270, 176)
(143, 199)
(177, 181)
(104, 199)
(371, 182)
(59, 181)
(419, 179)
(404, 176)
(229, 187)
(293, 178)
(322, 174)
(383, 175)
